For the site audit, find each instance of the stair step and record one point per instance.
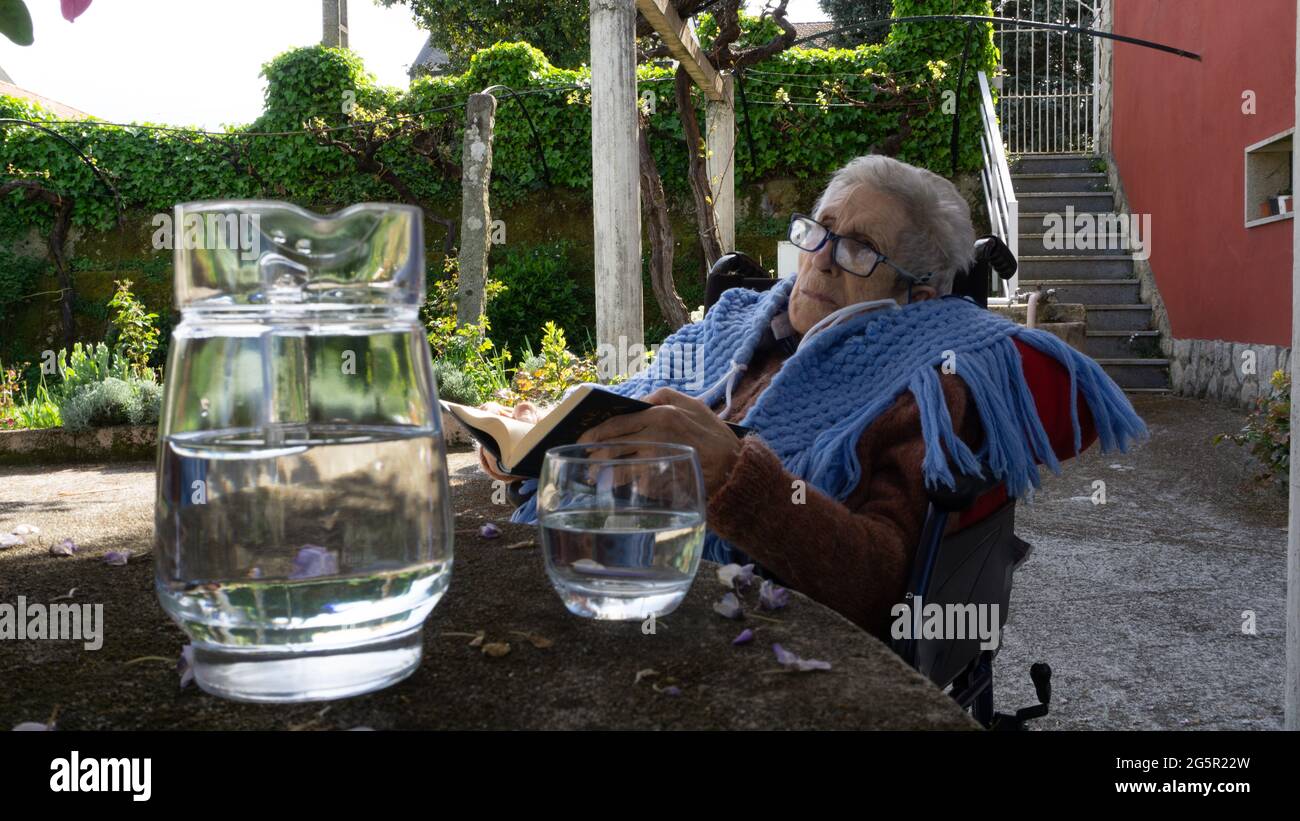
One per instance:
(1058, 183)
(1127, 318)
(1109, 243)
(1052, 163)
(1076, 266)
(1137, 373)
(1122, 344)
(1147, 390)
(1033, 217)
(1091, 202)
(1089, 291)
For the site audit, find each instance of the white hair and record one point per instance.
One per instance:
(938, 240)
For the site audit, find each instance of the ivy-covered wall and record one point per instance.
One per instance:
(805, 113)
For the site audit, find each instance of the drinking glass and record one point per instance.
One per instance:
(622, 526)
(303, 523)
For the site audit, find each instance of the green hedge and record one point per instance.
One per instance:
(153, 170)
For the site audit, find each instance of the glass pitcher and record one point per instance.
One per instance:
(303, 523)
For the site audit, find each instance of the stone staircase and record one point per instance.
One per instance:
(1120, 333)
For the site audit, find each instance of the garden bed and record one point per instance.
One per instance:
(121, 443)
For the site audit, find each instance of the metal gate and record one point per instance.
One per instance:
(1048, 101)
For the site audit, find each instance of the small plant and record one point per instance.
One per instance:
(113, 401)
(38, 412)
(86, 366)
(11, 384)
(454, 385)
(482, 369)
(18, 411)
(544, 377)
(137, 336)
(1267, 432)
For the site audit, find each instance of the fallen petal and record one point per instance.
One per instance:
(790, 661)
(540, 642)
(672, 691)
(67, 547)
(72, 9)
(489, 531)
(772, 596)
(32, 726)
(647, 673)
(728, 607)
(745, 637)
(27, 530)
(496, 649)
(312, 560)
(736, 576)
(9, 540)
(117, 558)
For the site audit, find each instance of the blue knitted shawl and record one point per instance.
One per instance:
(815, 409)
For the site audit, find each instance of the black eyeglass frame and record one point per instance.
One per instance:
(834, 238)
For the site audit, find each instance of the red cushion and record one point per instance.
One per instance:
(1049, 382)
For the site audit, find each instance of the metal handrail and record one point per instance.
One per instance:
(999, 195)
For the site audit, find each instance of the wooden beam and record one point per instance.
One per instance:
(683, 46)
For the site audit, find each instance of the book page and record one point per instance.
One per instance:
(544, 425)
(507, 431)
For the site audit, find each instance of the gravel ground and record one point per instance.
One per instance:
(1138, 603)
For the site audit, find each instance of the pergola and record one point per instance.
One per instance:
(616, 202)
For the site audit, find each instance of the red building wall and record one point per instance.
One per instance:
(1178, 140)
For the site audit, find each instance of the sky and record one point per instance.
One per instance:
(189, 62)
(196, 62)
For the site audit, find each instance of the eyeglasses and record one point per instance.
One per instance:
(855, 256)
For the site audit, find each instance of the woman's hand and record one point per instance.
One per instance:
(676, 419)
(524, 411)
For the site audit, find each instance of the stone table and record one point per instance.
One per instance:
(585, 677)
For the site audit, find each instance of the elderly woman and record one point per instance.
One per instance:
(863, 383)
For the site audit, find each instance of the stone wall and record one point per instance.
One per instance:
(1236, 373)
(1103, 54)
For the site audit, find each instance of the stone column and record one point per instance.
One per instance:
(475, 211)
(615, 181)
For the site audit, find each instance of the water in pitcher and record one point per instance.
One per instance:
(322, 539)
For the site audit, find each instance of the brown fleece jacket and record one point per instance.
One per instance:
(852, 556)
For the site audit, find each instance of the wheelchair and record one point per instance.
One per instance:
(974, 562)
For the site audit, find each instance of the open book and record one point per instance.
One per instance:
(519, 446)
